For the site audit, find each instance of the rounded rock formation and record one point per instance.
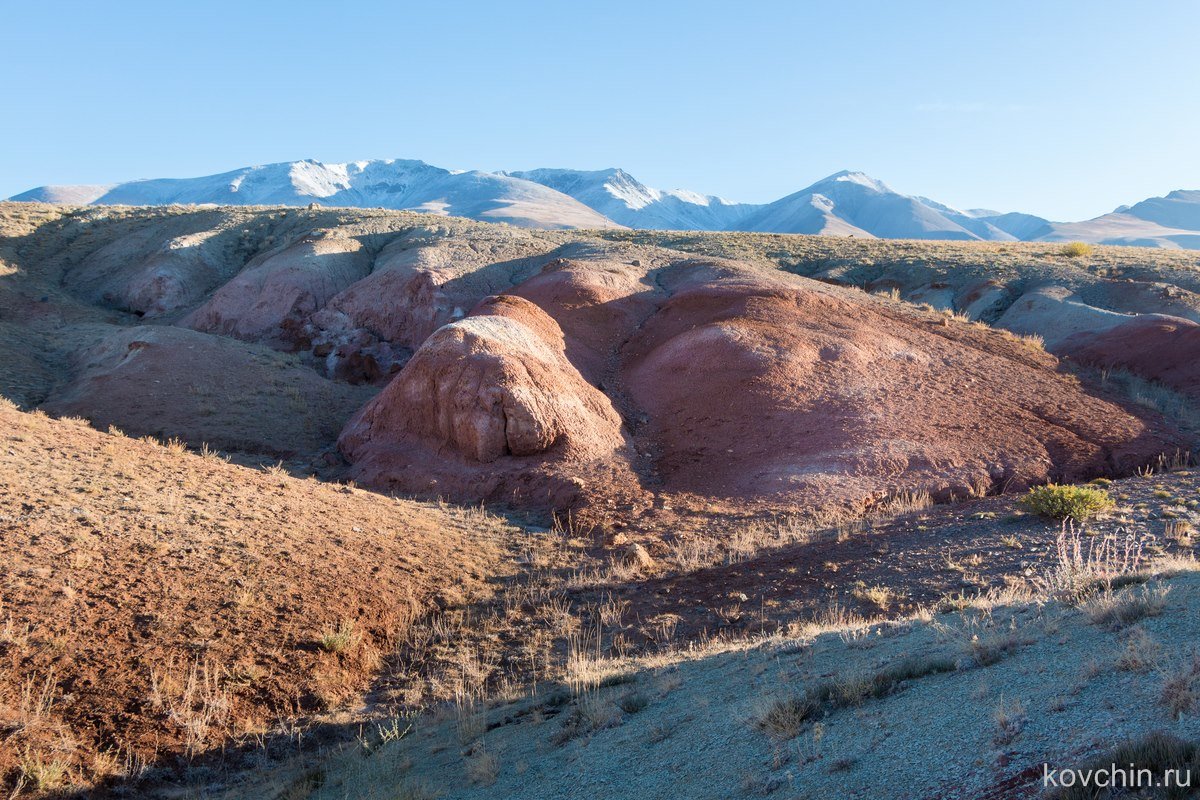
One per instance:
(488, 405)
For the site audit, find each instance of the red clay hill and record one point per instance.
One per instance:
(1159, 347)
(622, 382)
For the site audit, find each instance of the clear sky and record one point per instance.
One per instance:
(1055, 107)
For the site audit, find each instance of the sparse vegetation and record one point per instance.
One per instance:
(790, 713)
(1076, 249)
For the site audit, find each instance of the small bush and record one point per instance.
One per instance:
(1076, 249)
(1067, 502)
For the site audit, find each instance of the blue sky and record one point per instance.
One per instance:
(1064, 109)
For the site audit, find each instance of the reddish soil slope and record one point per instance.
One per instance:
(155, 600)
(1164, 349)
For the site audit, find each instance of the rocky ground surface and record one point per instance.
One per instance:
(1066, 690)
(997, 678)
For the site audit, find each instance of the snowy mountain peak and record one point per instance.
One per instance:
(858, 178)
(624, 199)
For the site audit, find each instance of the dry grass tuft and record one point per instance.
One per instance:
(1141, 652)
(342, 639)
(196, 702)
(995, 647)
(879, 595)
(1179, 689)
(785, 718)
(790, 713)
(1078, 569)
(1119, 609)
(483, 768)
(1010, 721)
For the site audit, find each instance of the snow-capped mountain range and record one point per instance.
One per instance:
(622, 198)
(404, 184)
(843, 204)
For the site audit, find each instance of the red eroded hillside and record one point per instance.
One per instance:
(734, 385)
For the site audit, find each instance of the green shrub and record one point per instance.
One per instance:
(1067, 502)
(1076, 249)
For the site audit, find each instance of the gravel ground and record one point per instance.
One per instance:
(1069, 688)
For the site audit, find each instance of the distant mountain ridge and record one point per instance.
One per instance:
(846, 203)
(622, 198)
(402, 184)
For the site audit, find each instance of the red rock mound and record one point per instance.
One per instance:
(489, 407)
(597, 304)
(1164, 349)
(757, 390)
(731, 383)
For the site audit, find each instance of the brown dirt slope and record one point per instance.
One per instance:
(172, 382)
(154, 601)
